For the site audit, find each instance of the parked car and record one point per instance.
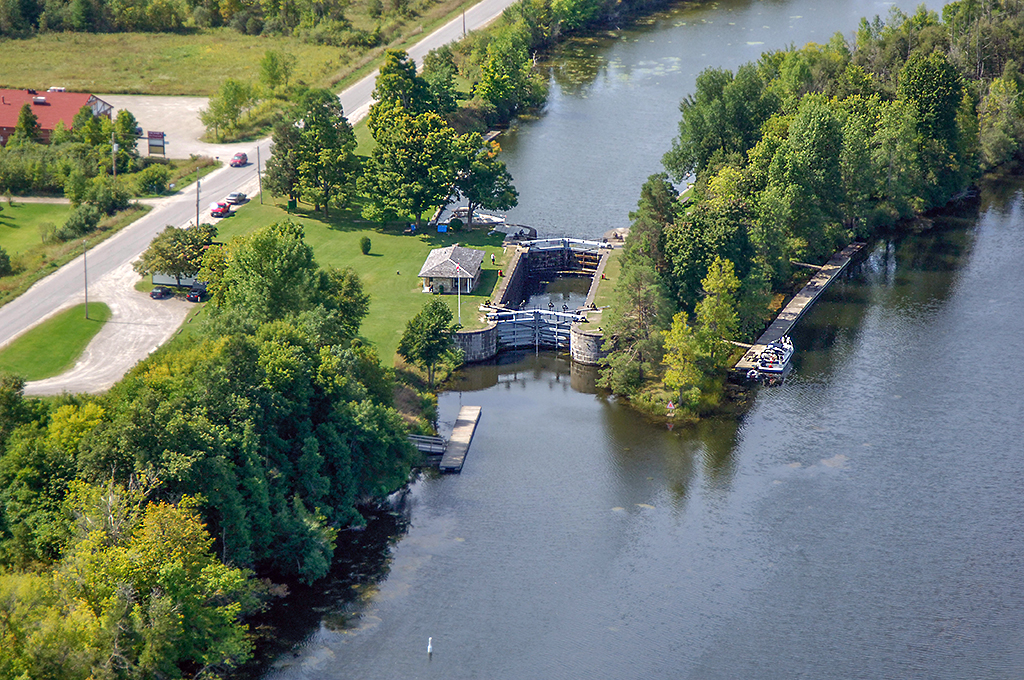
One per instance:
(220, 209)
(236, 197)
(160, 292)
(239, 159)
(196, 293)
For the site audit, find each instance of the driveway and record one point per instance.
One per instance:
(177, 118)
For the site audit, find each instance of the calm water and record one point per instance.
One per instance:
(861, 521)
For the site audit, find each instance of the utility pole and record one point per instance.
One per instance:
(113, 154)
(85, 276)
(463, 23)
(197, 203)
(259, 175)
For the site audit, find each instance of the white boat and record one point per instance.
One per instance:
(775, 356)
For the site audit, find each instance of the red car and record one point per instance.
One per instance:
(239, 159)
(220, 209)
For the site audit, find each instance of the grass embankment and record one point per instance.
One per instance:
(65, 336)
(389, 272)
(605, 289)
(40, 259)
(199, 62)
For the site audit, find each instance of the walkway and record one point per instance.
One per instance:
(800, 303)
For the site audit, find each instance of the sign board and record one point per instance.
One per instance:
(157, 142)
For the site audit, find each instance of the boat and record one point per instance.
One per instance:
(774, 358)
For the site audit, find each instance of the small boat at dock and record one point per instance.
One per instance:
(774, 358)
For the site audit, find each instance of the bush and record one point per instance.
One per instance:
(80, 222)
(455, 224)
(364, 245)
(109, 195)
(5, 263)
(152, 180)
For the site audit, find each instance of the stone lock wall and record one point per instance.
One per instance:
(478, 345)
(585, 346)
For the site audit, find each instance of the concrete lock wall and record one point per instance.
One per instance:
(478, 345)
(585, 346)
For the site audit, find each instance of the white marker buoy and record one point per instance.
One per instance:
(430, 646)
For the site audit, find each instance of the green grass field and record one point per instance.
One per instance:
(198, 63)
(65, 336)
(20, 224)
(388, 273)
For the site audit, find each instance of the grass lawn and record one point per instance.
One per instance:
(388, 273)
(20, 224)
(606, 289)
(65, 336)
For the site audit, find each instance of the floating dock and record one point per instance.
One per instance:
(462, 437)
(800, 303)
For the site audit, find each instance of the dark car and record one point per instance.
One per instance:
(196, 293)
(239, 159)
(160, 292)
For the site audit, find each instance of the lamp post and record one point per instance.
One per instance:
(259, 175)
(197, 202)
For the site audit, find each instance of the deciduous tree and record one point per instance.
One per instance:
(481, 177)
(429, 337)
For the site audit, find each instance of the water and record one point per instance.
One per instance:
(860, 521)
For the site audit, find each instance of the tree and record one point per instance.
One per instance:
(717, 320)
(722, 118)
(412, 167)
(429, 337)
(282, 175)
(326, 158)
(505, 79)
(26, 130)
(682, 364)
(176, 252)
(275, 69)
(631, 330)
(397, 84)
(225, 108)
(439, 77)
(5, 263)
(481, 177)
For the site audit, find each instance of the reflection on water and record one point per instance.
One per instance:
(862, 520)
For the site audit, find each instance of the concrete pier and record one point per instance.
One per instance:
(462, 437)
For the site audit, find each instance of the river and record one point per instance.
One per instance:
(860, 521)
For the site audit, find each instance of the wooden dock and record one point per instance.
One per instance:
(800, 303)
(462, 436)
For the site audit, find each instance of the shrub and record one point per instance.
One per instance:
(152, 180)
(108, 194)
(455, 224)
(80, 222)
(364, 245)
(5, 263)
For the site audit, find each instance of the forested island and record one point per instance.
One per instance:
(793, 157)
(139, 528)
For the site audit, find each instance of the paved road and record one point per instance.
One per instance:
(137, 329)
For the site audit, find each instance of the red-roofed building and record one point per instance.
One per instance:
(49, 108)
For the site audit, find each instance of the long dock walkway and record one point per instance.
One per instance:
(462, 437)
(800, 303)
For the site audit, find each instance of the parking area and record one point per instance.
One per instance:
(178, 118)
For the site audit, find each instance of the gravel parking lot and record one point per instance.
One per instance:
(178, 118)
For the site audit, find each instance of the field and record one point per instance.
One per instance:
(388, 273)
(197, 63)
(65, 336)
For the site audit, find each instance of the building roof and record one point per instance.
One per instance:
(49, 107)
(441, 262)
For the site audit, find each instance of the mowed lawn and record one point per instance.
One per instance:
(65, 336)
(20, 224)
(388, 273)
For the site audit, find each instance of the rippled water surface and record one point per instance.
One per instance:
(861, 521)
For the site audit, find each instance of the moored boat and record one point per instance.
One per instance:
(774, 358)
